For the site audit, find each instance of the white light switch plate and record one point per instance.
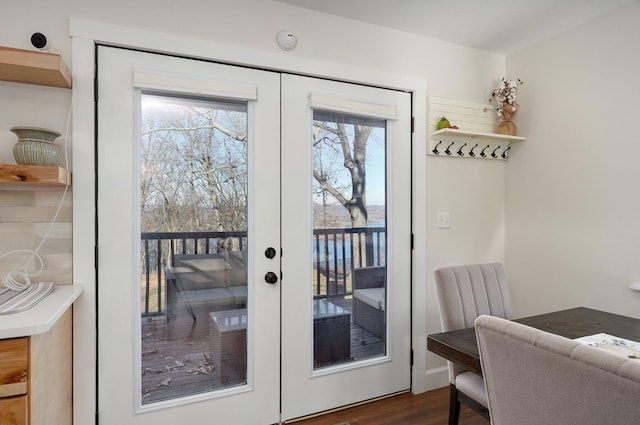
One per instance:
(442, 220)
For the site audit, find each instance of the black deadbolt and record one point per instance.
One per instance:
(270, 252)
(271, 278)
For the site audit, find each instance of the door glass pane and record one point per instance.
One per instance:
(193, 215)
(349, 238)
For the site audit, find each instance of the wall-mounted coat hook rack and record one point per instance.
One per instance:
(467, 150)
(473, 136)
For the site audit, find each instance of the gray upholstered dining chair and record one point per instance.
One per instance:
(533, 377)
(464, 293)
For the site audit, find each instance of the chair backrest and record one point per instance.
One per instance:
(534, 377)
(369, 277)
(205, 271)
(466, 292)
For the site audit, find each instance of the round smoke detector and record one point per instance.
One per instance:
(286, 40)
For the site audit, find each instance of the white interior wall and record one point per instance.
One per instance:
(30, 105)
(573, 210)
(471, 190)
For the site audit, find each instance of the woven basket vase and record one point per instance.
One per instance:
(507, 126)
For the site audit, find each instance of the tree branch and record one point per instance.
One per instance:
(215, 125)
(324, 185)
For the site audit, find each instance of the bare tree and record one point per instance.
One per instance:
(194, 169)
(353, 154)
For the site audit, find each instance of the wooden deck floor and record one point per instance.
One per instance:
(181, 367)
(174, 368)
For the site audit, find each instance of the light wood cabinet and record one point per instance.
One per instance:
(13, 367)
(36, 377)
(13, 410)
(13, 381)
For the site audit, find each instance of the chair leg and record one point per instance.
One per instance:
(454, 405)
(473, 404)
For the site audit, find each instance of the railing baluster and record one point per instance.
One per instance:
(317, 239)
(352, 265)
(147, 279)
(326, 263)
(335, 263)
(359, 236)
(368, 237)
(377, 237)
(343, 236)
(160, 273)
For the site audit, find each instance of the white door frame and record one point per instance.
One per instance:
(85, 34)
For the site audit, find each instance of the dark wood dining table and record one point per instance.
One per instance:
(461, 347)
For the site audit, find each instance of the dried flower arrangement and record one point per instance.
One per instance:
(505, 95)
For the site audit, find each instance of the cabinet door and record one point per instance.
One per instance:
(13, 410)
(51, 388)
(13, 367)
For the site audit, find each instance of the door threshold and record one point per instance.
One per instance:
(338, 409)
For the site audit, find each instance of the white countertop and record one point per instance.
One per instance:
(42, 316)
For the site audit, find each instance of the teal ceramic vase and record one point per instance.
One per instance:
(35, 146)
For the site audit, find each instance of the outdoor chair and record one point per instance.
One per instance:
(369, 296)
(198, 284)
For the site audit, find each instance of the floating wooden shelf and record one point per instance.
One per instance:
(24, 176)
(31, 67)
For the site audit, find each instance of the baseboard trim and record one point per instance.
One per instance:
(437, 377)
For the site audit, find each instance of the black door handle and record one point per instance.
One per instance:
(271, 278)
(270, 252)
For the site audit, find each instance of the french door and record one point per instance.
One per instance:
(253, 242)
(345, 214)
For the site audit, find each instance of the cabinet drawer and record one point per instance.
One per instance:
(13, 410)
(13, 367)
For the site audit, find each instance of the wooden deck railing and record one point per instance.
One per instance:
(336, 252)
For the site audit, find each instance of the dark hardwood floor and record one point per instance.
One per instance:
(430, 408)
